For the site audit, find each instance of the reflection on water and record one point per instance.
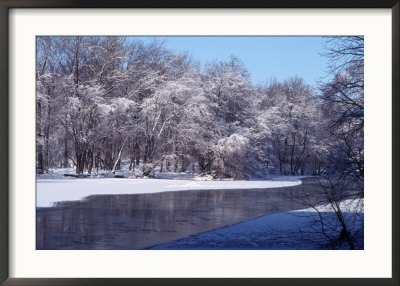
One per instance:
(142, 220)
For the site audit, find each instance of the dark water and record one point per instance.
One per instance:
(142, 220)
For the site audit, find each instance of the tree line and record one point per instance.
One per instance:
(104, 100)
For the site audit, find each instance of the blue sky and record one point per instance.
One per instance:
(265, 57)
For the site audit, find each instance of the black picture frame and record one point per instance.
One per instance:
(6, 5)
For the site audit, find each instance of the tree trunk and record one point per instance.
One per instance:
(90, 159)
(291, 155)
(97, 162)
(39, 147)
(118, 161)
(46, 162)
(176, 165)
(161, 166)
(65, 153)
(78, 164)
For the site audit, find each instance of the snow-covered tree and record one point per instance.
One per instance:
(288, 120)
(105, 100)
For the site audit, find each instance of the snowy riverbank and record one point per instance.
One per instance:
(291, 230)
(51, 189)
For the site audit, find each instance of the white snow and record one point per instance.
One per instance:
(54, 190)
(348, 206)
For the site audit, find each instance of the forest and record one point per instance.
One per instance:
(102, 101)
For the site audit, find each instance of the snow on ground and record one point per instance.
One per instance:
(291, 230)
(348, 206)
(53, 188)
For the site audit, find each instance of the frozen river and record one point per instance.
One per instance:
(138, 221)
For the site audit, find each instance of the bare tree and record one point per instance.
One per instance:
(343, 181)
